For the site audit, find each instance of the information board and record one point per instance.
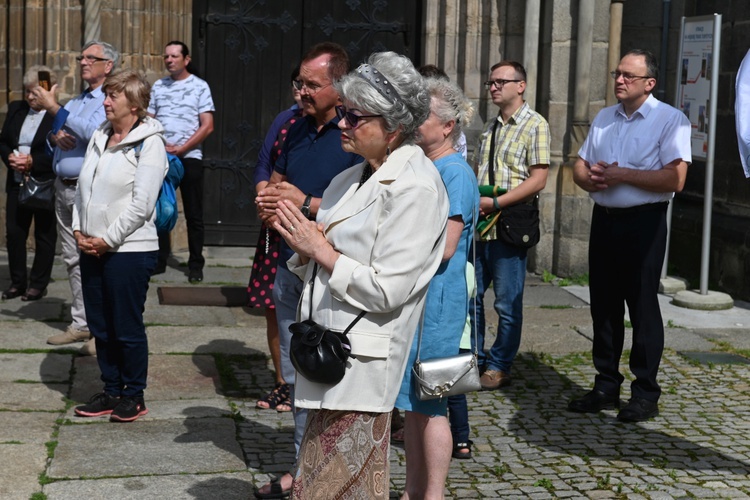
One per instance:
(694, 79)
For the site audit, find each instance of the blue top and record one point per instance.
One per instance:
(80, 117)
(266, 156)
(310, 159)
(447, 297)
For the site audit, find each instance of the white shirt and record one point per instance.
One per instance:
(653, 136)
(28, 130)
(742, 112)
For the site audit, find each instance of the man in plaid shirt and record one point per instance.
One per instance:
(520, 161)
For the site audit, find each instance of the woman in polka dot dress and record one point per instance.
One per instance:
(262, 276)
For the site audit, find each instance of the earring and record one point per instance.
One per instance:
(388, 151)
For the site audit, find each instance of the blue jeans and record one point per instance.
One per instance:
(114, 295)
(505, 267)
(287, 290)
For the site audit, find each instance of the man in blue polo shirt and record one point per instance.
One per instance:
(310, 158)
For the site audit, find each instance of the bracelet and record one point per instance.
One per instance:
(495, 204)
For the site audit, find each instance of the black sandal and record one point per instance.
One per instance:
(279, 395)
(276, 491)
(462, 455)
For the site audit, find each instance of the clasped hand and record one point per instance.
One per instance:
(268, 198)
(91, 245)
(604, 175)
(302, 235)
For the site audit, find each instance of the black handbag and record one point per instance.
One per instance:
(519, 225)
(318, 353)
(36, 194)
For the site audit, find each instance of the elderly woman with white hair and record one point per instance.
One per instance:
(378, 240)
(427, 434)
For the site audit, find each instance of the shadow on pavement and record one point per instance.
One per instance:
(541, 393)
(222, 487)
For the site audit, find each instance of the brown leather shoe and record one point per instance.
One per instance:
(494, 379)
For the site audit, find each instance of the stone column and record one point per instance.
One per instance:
(92, 20)
(531, 49)
(615, 38)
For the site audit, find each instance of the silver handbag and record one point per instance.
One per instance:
(442, 377)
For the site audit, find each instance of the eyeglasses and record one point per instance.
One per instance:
(499, 83)
(91, 59)
(351, 118)
(626, 77)
(312, 88)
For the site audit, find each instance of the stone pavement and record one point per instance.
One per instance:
(204, 439)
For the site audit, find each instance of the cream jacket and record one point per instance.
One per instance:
(391, 234)
(117, 189)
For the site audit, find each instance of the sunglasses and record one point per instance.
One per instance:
(351, 118)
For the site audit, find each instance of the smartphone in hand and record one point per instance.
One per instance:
(44, 80)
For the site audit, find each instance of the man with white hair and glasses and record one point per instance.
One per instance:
(72, 128)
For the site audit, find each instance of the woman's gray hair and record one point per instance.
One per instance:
(32, 75)
(408, 109)
(448, 102)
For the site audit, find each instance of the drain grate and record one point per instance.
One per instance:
(715, 358)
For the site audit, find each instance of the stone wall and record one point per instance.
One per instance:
(52, 32)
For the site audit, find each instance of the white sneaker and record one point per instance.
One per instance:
(88, 349)
(69, 336)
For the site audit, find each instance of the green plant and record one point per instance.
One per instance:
(548, 277)
(501, 469)
(546, 484)
(603, 482)
(659, 462)
(51, 446)
(556, 306)
(38, 496)
(628, 324)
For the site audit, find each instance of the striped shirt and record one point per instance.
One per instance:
(522, 142)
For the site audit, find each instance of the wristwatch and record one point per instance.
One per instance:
(305, 209)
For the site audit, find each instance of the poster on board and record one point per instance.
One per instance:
(695, 67)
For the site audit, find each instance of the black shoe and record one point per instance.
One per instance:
(195, 276)
(33, 294)
(638, 410)
(594, 401)
(99, 404)
(129, 409)
(160, 269)
(13, 292)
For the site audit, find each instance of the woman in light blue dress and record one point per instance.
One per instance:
(427, 435)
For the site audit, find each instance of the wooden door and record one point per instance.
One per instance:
(246, 50)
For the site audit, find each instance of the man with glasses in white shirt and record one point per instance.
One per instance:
(634, 159)
(72, 128)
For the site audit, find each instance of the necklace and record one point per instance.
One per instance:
(366, 174)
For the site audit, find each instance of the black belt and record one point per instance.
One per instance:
(69, 182)
(632, 210)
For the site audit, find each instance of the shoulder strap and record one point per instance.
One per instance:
(468, 292)
(312, 287)
(491, 159)
(137, 150)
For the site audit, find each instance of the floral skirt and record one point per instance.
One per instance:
(344, 455)
(263, 274)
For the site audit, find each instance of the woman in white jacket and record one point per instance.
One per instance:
(383, 232)
(113, 222)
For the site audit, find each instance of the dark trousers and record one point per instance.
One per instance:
(191, 190)
(626, 253)
(17, 225)
(114, 294)
(458, 415)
